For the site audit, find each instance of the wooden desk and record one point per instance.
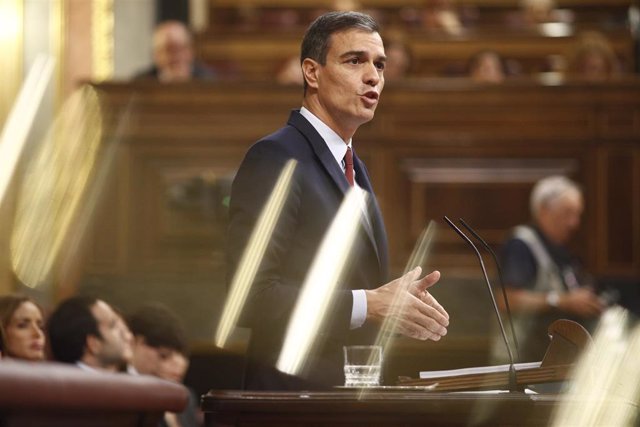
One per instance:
(382, 408)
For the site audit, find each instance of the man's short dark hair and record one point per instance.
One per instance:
(317, 39)
(159, 327)
(69, 326)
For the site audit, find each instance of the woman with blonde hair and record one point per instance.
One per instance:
(592, 58)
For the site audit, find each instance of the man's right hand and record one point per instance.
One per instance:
(407, 303)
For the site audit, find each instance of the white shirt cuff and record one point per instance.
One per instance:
(359, 310)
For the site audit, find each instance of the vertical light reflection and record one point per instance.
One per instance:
(103, 168)
(20, 119)
(57, 44)
(11, 46)
(606, 381)
(102, 38)
(53, 187)
(418, 258)
(318, 289)
(253, 254)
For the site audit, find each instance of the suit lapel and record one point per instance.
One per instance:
(320, 149)
(376, 233)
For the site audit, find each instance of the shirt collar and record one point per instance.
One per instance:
(86, 367)
(336, 144)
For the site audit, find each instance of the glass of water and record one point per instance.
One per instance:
(362, 365)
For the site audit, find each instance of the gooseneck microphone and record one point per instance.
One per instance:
(513, 384)
(504, 291)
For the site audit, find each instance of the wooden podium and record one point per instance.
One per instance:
(567, 340)
(414, 402)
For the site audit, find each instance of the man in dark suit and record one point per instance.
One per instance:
(342, 59)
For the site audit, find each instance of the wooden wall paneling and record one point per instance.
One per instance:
(434, 148)
(491, 116)
(179, 221)
(635, 200)
(108, 248)
(491, 194)
(618, 204)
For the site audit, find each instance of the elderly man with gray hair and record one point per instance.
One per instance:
(543, 280)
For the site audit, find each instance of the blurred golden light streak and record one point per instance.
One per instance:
(12, 48)
(102, 36)
(253, 254)
(53, 187)
(10, 20)
(103, 168)
(20, 119)
(418, 258)
(318, 289)
(606, 381)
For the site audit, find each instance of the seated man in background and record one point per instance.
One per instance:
(173, 56)
(543, 281)
(87, 332)
(160, 349)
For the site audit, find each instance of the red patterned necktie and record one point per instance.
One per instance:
(348, 166)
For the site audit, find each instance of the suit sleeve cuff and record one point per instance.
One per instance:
(359, 310)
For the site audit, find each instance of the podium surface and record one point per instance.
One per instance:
(400, 407)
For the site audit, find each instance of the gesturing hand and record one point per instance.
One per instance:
(407, 304)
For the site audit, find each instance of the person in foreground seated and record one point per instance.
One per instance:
(343, 61)
(173, 56)
(160, 349)
(86, 331)
(543, 280)
(21, 328)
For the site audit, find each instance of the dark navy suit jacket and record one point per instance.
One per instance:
(318, 188)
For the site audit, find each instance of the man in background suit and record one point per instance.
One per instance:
(342, 59)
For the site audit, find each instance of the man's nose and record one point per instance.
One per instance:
(371, 75)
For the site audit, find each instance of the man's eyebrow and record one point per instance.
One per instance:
(360, 53)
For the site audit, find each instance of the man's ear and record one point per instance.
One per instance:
(310, 69)
(93, 344)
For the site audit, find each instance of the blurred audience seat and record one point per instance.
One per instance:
(52, 394)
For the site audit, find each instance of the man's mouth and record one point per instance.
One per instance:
(372, 95)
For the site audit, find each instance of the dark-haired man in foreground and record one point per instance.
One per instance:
(86, 331)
